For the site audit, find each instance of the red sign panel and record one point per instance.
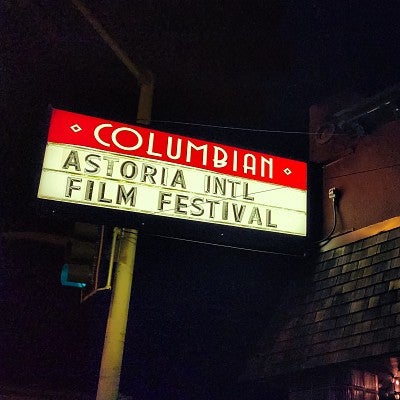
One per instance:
(90, 132)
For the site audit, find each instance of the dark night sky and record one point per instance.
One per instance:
(196, 310)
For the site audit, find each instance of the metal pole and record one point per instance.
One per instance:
(111, 362)
(145, 104)
(111, 43)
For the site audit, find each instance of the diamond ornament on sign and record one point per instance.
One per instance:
(75, 128)
(287, 171)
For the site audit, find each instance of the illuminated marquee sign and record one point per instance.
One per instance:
(109, 164)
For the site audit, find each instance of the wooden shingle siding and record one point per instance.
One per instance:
(350, 310)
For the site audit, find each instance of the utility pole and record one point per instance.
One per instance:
(111, 362)
(114, 341)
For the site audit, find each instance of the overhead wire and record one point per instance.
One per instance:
(220, 245)
(236, 128)
(365, 170)
(257, 130)
(326, 239)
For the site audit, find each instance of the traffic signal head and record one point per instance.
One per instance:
(77, 275)
(83, 255)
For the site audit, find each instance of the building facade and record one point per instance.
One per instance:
(337, 332)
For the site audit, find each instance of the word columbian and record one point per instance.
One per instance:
(182, 150)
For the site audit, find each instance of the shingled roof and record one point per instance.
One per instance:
(348, 310)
